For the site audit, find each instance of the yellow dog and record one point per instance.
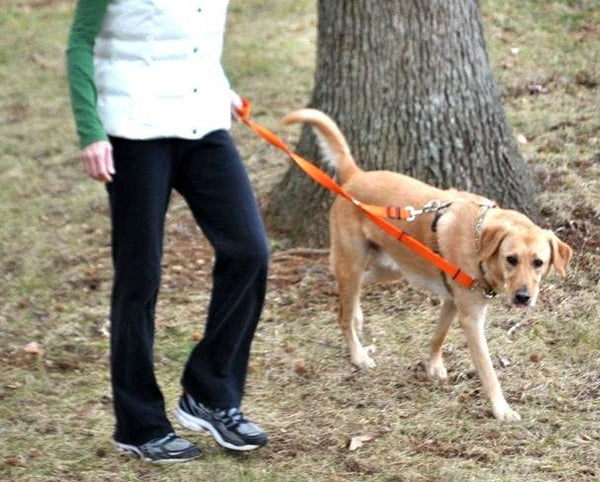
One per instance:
(504, 249)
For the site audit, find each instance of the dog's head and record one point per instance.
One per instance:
(516, 254)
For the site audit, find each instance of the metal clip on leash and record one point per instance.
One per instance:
(428, 207)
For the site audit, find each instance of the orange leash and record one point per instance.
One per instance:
(375, 213)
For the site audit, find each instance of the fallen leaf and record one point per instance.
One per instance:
(537, 89)
(34, 453)
(33, 349)
(359, 440)
(105, 329)
(16, 461)
(503, 361)
(301, 369)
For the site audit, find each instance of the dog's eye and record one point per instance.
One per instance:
(538, 263)
(512, 260)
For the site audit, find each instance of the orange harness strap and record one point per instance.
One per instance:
(375, 213)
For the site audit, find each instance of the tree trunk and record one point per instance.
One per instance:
(411, 86)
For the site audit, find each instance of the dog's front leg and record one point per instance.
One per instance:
(473, 323)
(435, 364)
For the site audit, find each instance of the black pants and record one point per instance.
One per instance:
(209, 174)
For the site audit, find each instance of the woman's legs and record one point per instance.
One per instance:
(211, 177)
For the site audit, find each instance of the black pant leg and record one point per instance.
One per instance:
(214, 182)
(138, 199)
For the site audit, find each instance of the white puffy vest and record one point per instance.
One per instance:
(158, 70)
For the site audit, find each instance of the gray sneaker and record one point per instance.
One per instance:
(164, 450)
(228, 426)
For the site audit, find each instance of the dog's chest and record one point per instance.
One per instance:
(421, 280)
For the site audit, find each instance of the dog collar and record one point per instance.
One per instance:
(486, 288)
(483, 210)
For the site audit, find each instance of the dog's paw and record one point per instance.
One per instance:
(436, 370)
(366, 363)
(362, 359)
(506, 414)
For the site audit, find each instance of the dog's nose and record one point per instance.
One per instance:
(522, 297)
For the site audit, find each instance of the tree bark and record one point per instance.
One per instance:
(411, 86)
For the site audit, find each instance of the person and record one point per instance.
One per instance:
(152, 108)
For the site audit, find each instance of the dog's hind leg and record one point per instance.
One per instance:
(350, 317)
(435, 364)
(350, 321)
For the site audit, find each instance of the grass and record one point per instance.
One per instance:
(55, 405)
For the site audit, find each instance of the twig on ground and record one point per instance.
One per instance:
(299, 252)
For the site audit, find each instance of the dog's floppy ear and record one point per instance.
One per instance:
(561, 254)
(490, 239)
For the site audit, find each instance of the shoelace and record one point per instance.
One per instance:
(231, 417)
(158, 445)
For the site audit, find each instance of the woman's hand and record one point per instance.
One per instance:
(98, 161)
(236, 105)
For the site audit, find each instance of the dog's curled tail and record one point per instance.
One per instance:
(332, 142)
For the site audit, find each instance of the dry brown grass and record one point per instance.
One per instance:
(55, 411)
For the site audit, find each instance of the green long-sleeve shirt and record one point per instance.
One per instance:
(89, 15)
